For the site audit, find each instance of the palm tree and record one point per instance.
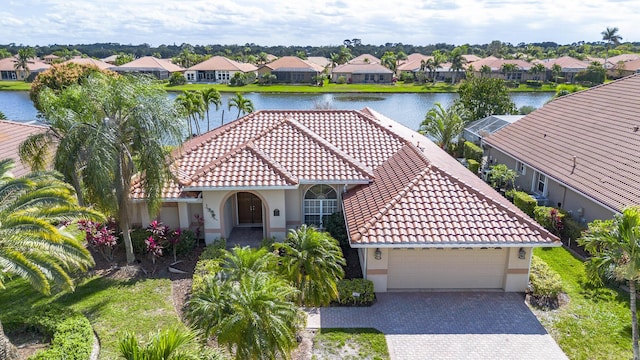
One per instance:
(444, 126)
(22, 61)
(611, 36)
(210, 96)
(243, 104)
(615, 249)
(556, 70)
(114, 123)
(192, 105)
(342, 57)
(243, 261)
(485, 70)
(32, 244)
(170, 344)
(537, 70)
(3, 116)
(389, 60)
(508, 70)
(457, 64)
(312, 261)
(253, 316)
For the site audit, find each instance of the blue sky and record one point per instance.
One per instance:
(313, 22)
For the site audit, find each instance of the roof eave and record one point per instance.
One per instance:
(239, 188)
(449, 246)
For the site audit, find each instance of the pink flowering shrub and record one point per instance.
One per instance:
(153, 248)
(100, 237)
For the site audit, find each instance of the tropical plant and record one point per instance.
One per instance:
(4, 53)
(614, 246)
(343, 56)
(457, 63)
(502, 177)
(312, 261)
(123, 58)
(253, 316)
(244, 261)
(22, 60)
(109, 122)
(210, 96)
(485, 70)
(611, 36)
(481, 97)
(442, 125)
(170, 344)
(538, 70)
(509, 70)
(556, 70)
(34, 243)
(389, 60)
(244, 105)
(3, 116)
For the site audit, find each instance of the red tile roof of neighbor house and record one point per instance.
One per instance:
(623, 57)
(408, 187)
(12, 134)
(222, 63)
(566, 63)
(8, 64)
(286, 63)
(588, 140)
(364, 59)
(632, 65)
(150, 62)
(496, 64)
(89, 61)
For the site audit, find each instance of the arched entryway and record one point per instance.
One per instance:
(244, 219)
(249, 209)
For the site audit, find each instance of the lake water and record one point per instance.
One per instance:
(407, 109)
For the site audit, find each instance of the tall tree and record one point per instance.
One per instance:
(615, 249)
(556, 71)
(22, 61)
(192, 106)
(485, 71)
(33, 245)
(538, 70)
(442, 125)
(116, 121)
(343, 56)
(481, 97)
(253, 316)
(244, 105)
(509, 70)
(611, 36)
(210, 96)
(312, 262)
(389, 60)
(457, 63)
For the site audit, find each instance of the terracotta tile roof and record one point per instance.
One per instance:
(110, 59)
(496, 64)
(12, 134)
(632, 65)
(623, 57)
(319, 60)
(149, 63)
(365, 59)
(471, 58)
(567, 63)
(421, 183)
(223, 64)
(413, 64)
(89, 61)
(587, 140)
(293, 63)
(362, 68)
(35, 65)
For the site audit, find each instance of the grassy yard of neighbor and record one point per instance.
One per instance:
(350, 344)
(596, 323)
(112, 306)
(14, 86)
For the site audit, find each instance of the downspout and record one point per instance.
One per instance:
(366, 253)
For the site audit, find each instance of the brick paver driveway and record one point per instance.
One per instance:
(454, 325)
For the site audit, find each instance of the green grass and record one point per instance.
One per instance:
(14, 86)
(596, 323)
(112, 307)
(350, 344)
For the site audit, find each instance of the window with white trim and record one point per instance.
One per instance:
(540, 184)
(319, 201)
(520, 168)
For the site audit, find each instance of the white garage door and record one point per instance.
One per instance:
(446, 269)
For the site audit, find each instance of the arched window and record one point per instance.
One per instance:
(319, 201)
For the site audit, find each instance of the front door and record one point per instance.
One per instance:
(249, 208)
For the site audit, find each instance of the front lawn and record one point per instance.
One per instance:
(15, 86)
(596, 323)
(142, 306)
(368, 344)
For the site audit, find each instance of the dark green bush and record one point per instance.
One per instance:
(334, 225)
(138, 236)
(187, 242)
(204, 268)
(509, 194)
(472, 151)
(546, 284)
(177, 78)
(524, 202)
(473, 166)
(267, 243)
(214, 250)
(341, 80)
(534, 83)
(572, 229)
(550, 218)
(511, 84)
(355, 292)
(407, 77)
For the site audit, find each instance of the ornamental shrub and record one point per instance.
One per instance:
(545, 283)
(214, 250)
(473, 166)
(550, 218)
(355, 292)
(177, 78)
(203, 269)
(472, 151)
(100, 237)
(341, 80)
(334, 225)
(524, 202)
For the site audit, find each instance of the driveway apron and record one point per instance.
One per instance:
(448, 325)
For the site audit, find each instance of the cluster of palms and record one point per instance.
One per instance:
(196, 104)
(251, 305)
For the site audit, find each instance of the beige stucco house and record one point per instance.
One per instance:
(218, 69)
(579, 152)
(418, 218)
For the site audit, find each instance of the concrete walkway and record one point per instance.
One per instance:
(448, 325)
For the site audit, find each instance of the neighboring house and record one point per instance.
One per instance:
(218, 69)
(580, 151)
(292, 69)
(12, 134)
(475, 131)
(160, 68)
(626, 68)
(91, 62)
(51, 58)
(362, 73)
(111, 59)
(570, 67)
(418, 218)
(320, 60)
(365, 59)
(521, 72)
(413, 64)
(8, 70)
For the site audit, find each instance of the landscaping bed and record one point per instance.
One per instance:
(336, 344)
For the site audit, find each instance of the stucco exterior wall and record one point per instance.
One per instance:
(517, 272)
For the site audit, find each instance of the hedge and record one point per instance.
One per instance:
(472, 151)
(546, 284)
(473, 166)
(524, 202)
(70, 332)
(568, 229)
(355, 292)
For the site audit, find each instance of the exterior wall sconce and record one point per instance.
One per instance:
(378, 254)
(276, 212)
(521, 254)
